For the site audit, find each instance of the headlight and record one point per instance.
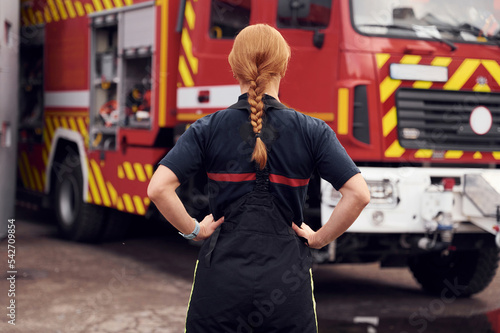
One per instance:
(382, 192)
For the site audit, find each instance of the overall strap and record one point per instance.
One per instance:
(262, 179)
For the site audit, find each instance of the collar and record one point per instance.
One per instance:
(269, 102)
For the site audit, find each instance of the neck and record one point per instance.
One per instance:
(271, 90)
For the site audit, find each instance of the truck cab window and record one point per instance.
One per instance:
(228, 17)
(312, 14)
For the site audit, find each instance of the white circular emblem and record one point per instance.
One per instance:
(481, 120)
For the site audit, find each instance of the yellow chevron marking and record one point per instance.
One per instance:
(188, 49)
(343, 111)
(128, 203)
(46, 14)
(190, 15)
(56, 123)
(88, 8)
(424, 153)
(118, 3)
(389, 121)
(24, 178)
(146, 201)
(107, 4)
(72, 124)
(24, 17)
(482, 88)
(119, 205)
(441, 61)
(381, 59)
(121, 174)
(492, 67)
(97, 5)
(477, 155)
(139, 171)
(49, 126)
(321, 115)
(411, 59)
(64, 122)
(462, 74)
(139, 206)
(39, 17)
(31, 15)
(100, 183)
(45, 157)
(62, 10)
(93, 187)
(185, 74)
(128, 170)
(496, 155)
(28, 170)
(79, 8)
(388, 87)
(82, 127)
(422, 84)
(129, 2)
(112, 193)
(394, 150)
(46, 139)
(453, 154)
(162, 117)
(149, 170)
(36, 176)
(70, 8)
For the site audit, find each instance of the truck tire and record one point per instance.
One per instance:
(76, 219)
(468, 271)
(117, 225)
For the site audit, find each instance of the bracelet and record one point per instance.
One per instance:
(195, 231)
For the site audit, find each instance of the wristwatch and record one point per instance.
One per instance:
(195, 231)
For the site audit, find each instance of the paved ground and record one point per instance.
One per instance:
(142, 284)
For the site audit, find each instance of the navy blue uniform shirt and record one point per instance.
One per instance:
(222, 144)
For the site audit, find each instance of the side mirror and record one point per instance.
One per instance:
(294, 9)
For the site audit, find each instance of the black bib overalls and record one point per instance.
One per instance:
(254, 273)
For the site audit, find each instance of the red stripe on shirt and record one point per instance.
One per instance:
(243, 177)
(231, 177)
(294, 182)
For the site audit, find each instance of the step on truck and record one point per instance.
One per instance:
(411, 88)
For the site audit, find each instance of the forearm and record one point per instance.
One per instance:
(171, 207)
(342, 217)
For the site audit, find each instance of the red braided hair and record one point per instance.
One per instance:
(259, 55)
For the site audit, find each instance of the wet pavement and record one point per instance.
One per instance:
(142, 284)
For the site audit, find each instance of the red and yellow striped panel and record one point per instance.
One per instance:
(103, 192)
(47, 11)
(461, 77)
(188, 63)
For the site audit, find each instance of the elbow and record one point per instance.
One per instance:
(154, 191)
(364, 198)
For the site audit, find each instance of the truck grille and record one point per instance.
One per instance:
(438, 119)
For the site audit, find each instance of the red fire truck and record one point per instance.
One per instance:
(411, 87)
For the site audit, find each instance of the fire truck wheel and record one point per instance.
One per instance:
(461, 273)
(117, 225)
(77, 220)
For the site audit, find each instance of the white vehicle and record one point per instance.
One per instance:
(9, 58)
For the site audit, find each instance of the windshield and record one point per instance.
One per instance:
(456, 20)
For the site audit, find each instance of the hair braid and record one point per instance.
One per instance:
(259, 54)
(255, 94)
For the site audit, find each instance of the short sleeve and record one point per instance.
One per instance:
(332, 160)
(187, 155)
